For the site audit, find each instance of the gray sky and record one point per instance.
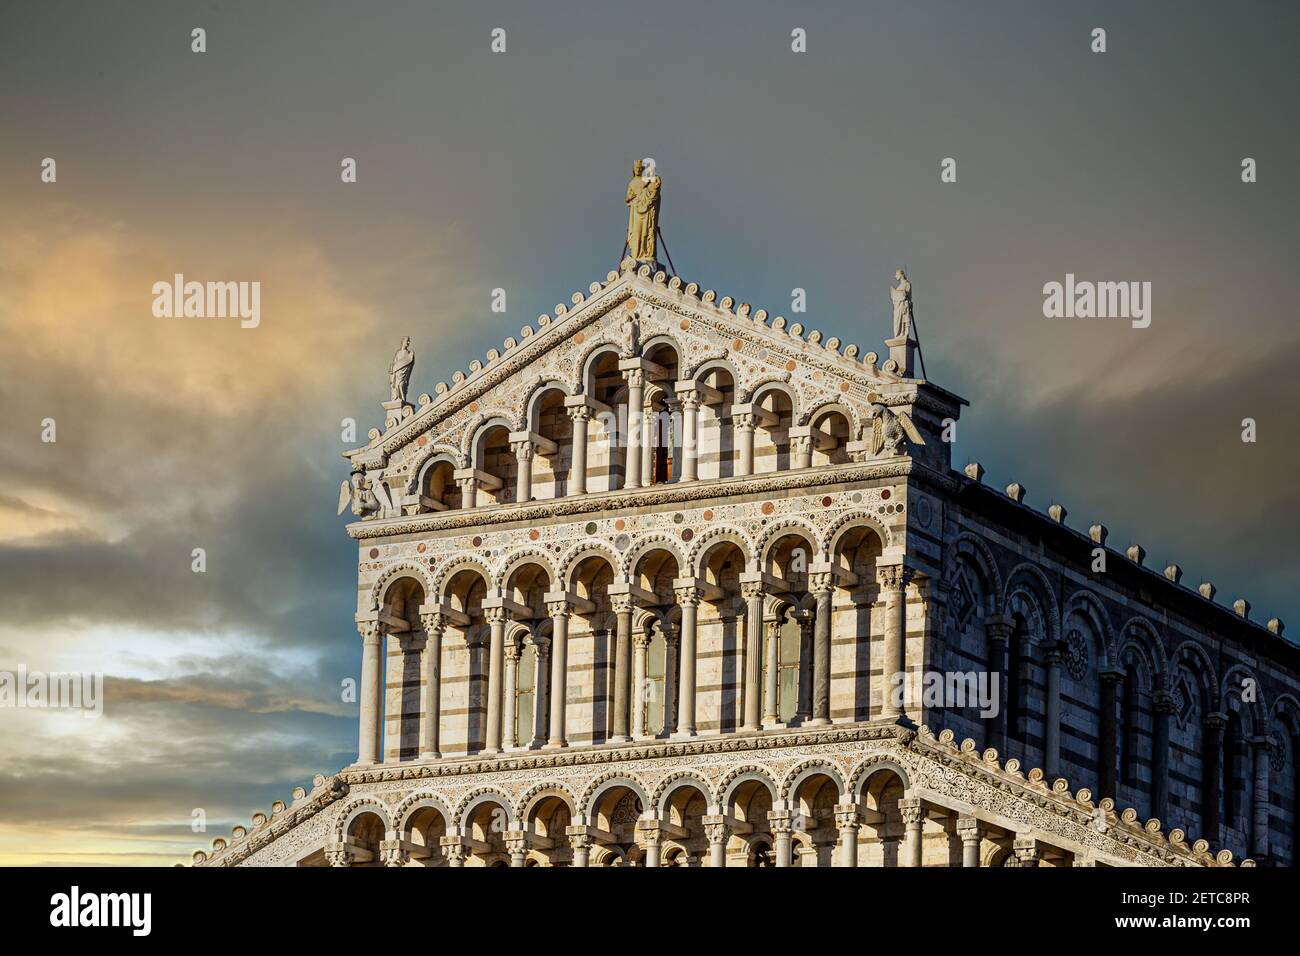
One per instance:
(817, 170)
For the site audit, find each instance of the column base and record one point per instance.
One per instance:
(619, 740)
(489, 752)
(683, 734)
(432, 755)
(556, 745)
(816, 722)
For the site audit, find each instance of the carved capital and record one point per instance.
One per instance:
(559, 608)
(688, 596)
(716, 829)
(579, 413)
(892, 577)
(433, 622)
(912, 811)
(370, 631)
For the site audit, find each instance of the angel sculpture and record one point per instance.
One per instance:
(368, 498)
(889, 429)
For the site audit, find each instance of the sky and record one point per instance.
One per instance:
(476, 170)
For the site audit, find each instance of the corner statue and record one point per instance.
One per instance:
(901, 296)
(367, 497)
(643, 210)
(399, 376)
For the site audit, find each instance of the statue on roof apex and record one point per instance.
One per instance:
(643, 210)
(399, 375)
(901, 296)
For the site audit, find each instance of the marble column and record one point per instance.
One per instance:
(743, 423)
(997, 630)
(622, 666)
(893, 581)
(1027, 851)
(718, 832)
(372, 692)
(1108, 743)
(782, 836)
(1052, 730)
(1211, 774)
(580, 415)
(516, 843)
(801, 450)
(690, 430)
(635, 379)
(508, 722)
(496, 618)
(559, 611)
(772, 684)
(469, 492)
(524, 478)
(968, 828)
(805, 666)
(650, 836)
(431, 689)
(822, 589)
(688, 598)
(913, 814)
(639, 698)
(541, 683)
(1260, 750)
(580, 841)
(649, 442)
(670, 681)
(847, 821)
(753, 594)
(1164, 712)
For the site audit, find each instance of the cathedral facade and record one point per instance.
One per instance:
(664, 581)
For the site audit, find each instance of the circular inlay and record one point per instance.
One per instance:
(534, 535)
(685, 324)
(768, 507)
(678, 518)
(1076, 654)
(424, 440)
(844, 386)
(826, 501)
(791, 365)
(687, 534)
(591, 527)
(631, 305)
(421, 548)
(477, 541)
(884, 495)
(622, 542)
(708, 515)
(737, 345)
(578, 337)
(374, 552)
(620, 524)
(473, 406)
(857, 497)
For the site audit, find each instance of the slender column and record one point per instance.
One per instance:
(1052, 732)
(580, 841)
(496, 617)
(805, 666)
(1111, 683)
(969, 830)
(372, 692)
(579, 415)
(753, 593)
(779, 821)
(524, 479)
(772, 690)
(998, 631)
(469, 492)
(559, 611)
(847, 821)
(743, 423)
(913, 813)
(718, 832)
(639, 686)
(517, 843)
(650, 835)
(1211, 774)
(893, 580)
(690, 429)
(541, 681)
(649, 441)
(822, 588)
(431, 691)
(1164, 711)
(1261, 751)
(635, 378)
(670, 681)
(622, 665)
(801, 449)
(511, 684)
(1026, 851)
(689, 600)
(455, 850)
